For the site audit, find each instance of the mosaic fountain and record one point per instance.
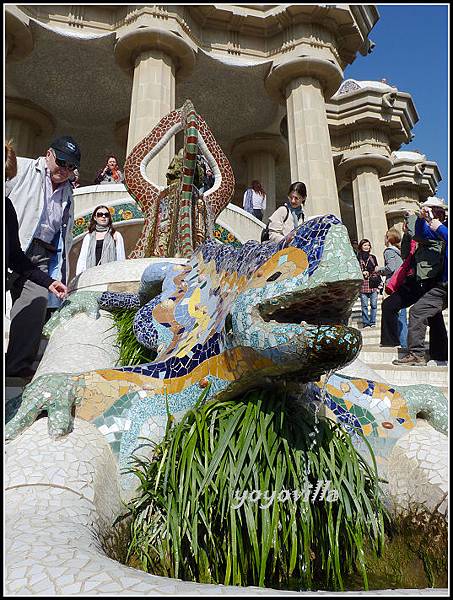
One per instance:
(220, 319)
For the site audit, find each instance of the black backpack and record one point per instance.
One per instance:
(265, 231)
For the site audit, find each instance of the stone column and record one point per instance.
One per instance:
(154, 57)
(261, 166)
(364, 171)
(398, 201)
(306, 82)
(261, 153)
(25, 123)
(369, 208)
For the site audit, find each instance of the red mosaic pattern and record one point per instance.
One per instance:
(148, 196)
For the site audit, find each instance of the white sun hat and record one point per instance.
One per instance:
(434, 202)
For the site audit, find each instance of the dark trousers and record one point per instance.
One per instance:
(28, 314)
(428, 311)
(258, 213)
(406, 296)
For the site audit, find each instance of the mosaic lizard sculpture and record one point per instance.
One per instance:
(225, 322)
(176, 219)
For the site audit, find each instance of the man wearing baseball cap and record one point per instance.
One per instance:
(41, 194)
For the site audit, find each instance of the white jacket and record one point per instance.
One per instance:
(82, 261)
(281, 223)
(26, 192)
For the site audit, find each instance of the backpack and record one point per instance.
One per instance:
(265, 231)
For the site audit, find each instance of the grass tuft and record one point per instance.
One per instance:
(131, 352)
(187, 522)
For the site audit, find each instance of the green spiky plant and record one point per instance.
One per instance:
(131, 352)
(186, 518)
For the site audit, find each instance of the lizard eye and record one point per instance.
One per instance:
(274, 276)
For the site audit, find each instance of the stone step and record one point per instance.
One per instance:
(372, 335)
(373, 353)
(356, 319)
(406, 375)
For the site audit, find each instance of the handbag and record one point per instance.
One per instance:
(375, 281)
(265, 232)
(402, 272)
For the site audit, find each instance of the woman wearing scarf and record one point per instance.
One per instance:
(110, 173)
(371, 282)
(102, 244)
(289, 216)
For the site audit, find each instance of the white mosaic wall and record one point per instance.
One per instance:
(61, 497)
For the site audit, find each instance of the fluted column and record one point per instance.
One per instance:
(154, 57)
(364, 171)
(261, 166)
(261, 152)
(369, 208)
(153, 96)
(306, 82)
(25, 123)
(410, 181)
(23, 136)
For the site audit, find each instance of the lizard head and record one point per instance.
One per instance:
(297, 302)
(287, 301)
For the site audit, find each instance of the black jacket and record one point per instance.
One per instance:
(15, 259)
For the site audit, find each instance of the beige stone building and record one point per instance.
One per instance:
(270, 81)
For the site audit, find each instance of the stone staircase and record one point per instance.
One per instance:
(380, 359)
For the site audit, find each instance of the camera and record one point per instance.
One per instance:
(430, 215)
(108, 172)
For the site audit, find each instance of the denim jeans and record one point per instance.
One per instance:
(369, 319)
(258, 213)
(402, 327)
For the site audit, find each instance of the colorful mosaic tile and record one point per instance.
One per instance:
(120, 213)
(129, 210)
(176, 219)
(230, 319)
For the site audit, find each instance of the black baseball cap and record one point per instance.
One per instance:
(66, 148)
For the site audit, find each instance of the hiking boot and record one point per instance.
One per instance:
(411, 360)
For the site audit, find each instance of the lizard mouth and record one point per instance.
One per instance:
(319, 317)
(328, 304)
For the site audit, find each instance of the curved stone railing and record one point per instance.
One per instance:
(235, 220)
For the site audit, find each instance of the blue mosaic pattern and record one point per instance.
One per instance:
(112, 300)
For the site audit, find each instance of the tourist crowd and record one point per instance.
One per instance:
(40, 219)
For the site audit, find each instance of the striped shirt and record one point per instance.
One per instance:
(50, 222)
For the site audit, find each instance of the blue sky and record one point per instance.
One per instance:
(411, 53)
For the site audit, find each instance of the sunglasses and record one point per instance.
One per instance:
(102, 214)
(65, 164)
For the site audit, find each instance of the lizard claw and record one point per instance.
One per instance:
(54, 394)
(79, 302)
